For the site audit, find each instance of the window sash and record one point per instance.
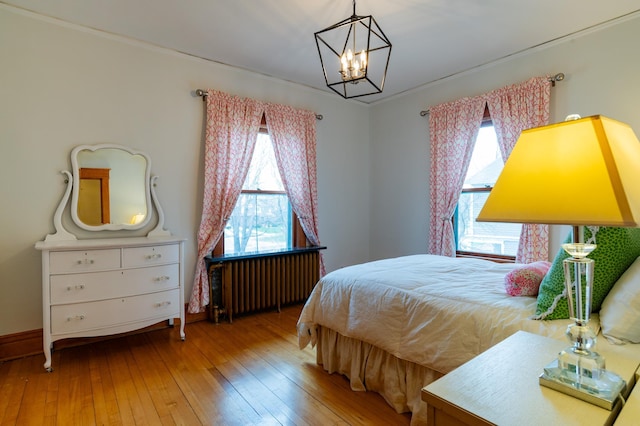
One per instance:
(261, 221)
(508, 244)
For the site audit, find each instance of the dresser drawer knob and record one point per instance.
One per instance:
(75, 318)
(85, 262)
(75, 287)
(154, 256)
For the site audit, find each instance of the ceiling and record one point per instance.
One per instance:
(431, 39)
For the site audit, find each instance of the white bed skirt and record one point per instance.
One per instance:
(370, 368)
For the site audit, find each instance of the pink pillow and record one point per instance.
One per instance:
(525, 280)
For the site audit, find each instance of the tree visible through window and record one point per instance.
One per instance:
(483, 238)
(261, 219)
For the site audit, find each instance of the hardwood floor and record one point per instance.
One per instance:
(250, 372)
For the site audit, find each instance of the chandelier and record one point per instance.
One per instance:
(354, 54)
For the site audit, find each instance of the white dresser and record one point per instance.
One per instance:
(97, 287)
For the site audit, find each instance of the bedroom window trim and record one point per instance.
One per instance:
(499, 258)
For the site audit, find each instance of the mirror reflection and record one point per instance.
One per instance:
(111, 187)
(94, 200)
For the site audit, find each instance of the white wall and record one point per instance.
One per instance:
(62, 86)
(602, 70)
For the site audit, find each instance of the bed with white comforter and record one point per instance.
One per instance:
(395, 325)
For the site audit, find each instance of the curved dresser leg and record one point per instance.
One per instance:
(47, 356)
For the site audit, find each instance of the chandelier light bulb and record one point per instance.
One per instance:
(352, 68)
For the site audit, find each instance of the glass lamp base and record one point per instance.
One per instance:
(582, 378)
(578, 368)
(579, 371)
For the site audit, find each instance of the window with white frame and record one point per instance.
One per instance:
(487, 239)
(261, 219)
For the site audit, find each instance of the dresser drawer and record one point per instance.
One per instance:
(151, 279)
(84, 287)
(151, 255)
(80, 317)
(92, 286)
(64, 262)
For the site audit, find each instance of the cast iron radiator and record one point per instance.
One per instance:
(251, 283)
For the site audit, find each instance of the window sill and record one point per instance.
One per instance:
(485, 256)
(266, 253)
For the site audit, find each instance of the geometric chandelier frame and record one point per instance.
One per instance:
(354, 54)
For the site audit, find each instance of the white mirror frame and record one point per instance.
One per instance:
(73, 181)
(76, 188)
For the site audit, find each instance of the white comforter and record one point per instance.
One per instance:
(436, 311)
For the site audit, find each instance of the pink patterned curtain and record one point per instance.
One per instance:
(230, 136)
(514, 109)
(293, 133)
(453, 128)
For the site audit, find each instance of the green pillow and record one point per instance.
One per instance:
(616, 251)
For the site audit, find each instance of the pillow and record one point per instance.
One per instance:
(620, 312)
(525, 280)
(616, 251)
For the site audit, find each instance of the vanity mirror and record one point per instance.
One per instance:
(110, 188)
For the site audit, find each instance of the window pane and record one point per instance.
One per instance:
(263, 172)
(259, 222)
(484, 237)
(486, 160)
(484, 169)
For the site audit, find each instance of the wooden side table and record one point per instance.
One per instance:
(630, 414)
(500, 386)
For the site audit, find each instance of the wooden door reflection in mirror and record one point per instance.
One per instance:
(93, 196)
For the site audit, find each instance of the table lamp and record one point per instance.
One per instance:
(581, 172)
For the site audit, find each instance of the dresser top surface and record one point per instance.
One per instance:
(107, 243)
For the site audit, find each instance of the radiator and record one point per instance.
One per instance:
(253, 284)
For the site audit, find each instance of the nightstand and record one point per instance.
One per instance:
(630, 414)
(500, 386)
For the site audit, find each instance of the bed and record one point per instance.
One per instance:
(393, 326)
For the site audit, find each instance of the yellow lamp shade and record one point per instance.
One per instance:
(579, 172)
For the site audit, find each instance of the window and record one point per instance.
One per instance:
(262, 219)
(487, 239)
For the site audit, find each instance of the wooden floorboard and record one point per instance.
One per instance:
(250, 372)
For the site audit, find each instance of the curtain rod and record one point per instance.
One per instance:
(557, 77)
(203, 94)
